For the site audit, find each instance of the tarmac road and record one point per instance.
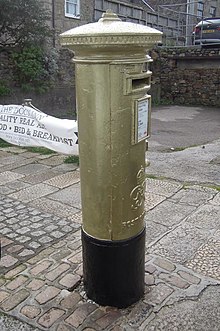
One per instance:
(179, 126)
(185, 144)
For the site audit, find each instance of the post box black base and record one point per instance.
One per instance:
(114, 270)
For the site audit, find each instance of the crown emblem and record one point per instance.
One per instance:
(141, 176)
(137, 195)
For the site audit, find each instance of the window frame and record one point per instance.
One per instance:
(69, 15)
(212, 11)
(200, 6)
(200, 9)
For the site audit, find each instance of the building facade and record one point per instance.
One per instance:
(176, 19)
(67, 14)
(208, 8)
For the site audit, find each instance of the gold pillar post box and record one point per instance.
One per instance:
(112, 80)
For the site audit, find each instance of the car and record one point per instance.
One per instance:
(207, 32)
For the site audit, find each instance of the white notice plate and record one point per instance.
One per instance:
(142, 119)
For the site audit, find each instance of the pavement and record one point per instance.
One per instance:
(40, 218)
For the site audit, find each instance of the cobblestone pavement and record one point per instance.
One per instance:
(41, 265)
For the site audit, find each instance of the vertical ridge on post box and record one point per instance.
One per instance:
(95, 146)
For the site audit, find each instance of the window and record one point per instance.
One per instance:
(200, 6)
(200, 9)
(212, 11)
(72, 8)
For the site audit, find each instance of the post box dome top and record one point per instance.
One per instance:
(110, 30)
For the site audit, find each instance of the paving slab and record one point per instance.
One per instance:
(25, 231)
(53, 160)
(207, 259)
(154, 232)
(16, 164)
(31, 168)
(9, 159)
(54, 207)
(70, 196)
(17, 185)
(181, 244)
(28, 154)
(43, 290)
(40, 220)
(3, 153)
(152, 200)
(162, 187)
(189, 315)
(64, 180)
(13, 324)
(6, 190)
(9, 176)
(39, 177)
(192, 165)
(206, 217)
(65, 167)
(169, 214)
(216, 200)
(33, 192)
(13, 150)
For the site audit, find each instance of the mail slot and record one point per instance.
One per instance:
(137, 83)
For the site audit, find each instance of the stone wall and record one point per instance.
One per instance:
(189, 76)
(181, 76)
(63, 23)
(58, 101)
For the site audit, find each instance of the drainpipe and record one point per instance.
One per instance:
(187, 22)
(53, 23)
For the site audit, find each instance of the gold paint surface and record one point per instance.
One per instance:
(111, 167)
(110, 33)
